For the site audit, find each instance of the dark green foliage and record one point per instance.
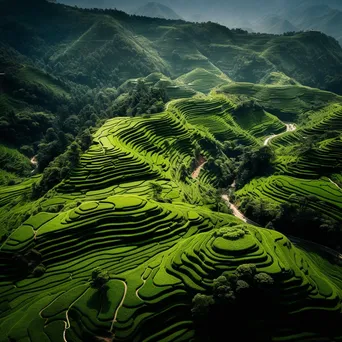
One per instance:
(58, 169)
(246, 297)
(202, 305)
(13, 161)
(254, 163)
(39, 270)
(295, 216)
(245, 107)
(183, 172)
(223, 169)
(99, 278)
(140, 100)
(157, 190)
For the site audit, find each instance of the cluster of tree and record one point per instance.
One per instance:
(213, 199)
(12, 161)
(245, 298)
(99, 278)
(58, 169)
(246, 106)
(141, 99)
(295, 216)
(157, 191)
(28, 263)
(254, 163)
(60, 148)
(223, 169)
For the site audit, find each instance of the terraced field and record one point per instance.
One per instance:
(287, 102)
(129, 154)
(118, 250)
(156, 257)
(217, 115)
(202, 80)
(328, 197)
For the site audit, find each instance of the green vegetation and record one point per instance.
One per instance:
(120, 228)
(142, 280)
(124, 242)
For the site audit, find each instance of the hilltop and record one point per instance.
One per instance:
(157, 10)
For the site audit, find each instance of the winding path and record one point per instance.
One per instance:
(119, 307)
(290, 127)
(34, 162)
(237, 213)
(334, 183)
(197, 171)
(67, 322)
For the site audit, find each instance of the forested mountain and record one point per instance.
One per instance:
(268, 16)
(141, 159)
(55, 67)
(54, 64)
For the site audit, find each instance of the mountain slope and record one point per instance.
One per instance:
(157, 10)
(106, 48)
(274, 24)
(320, 18)
(116, 250)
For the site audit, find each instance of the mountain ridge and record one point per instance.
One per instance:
(157, 10)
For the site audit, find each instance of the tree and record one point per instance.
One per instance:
(39, 270)
(183, 172)
(99, 278)
(74, 153)
(201, 305)
(254, 163)
(247, 294)
(157, 190)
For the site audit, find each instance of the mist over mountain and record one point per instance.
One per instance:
(157, 10)
(268, 16)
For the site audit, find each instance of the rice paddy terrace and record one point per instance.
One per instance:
(155, 250)
(157, 257)
(308, 159)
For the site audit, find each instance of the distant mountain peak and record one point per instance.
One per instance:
(157, 10)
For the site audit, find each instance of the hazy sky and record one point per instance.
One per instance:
(233, 13)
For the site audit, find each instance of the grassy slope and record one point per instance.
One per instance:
(300, 167)
(34, 76)
(157, 254)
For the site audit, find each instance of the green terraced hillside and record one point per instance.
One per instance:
(306, 165)
(156, 257)
(129, 145)
(118, 249)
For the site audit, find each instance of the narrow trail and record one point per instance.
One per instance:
(197, 171)
(236, 212)
(331, 181)
(34, 162)
(290, 127)
(137, 290)
(67, 322)
(119, 307)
